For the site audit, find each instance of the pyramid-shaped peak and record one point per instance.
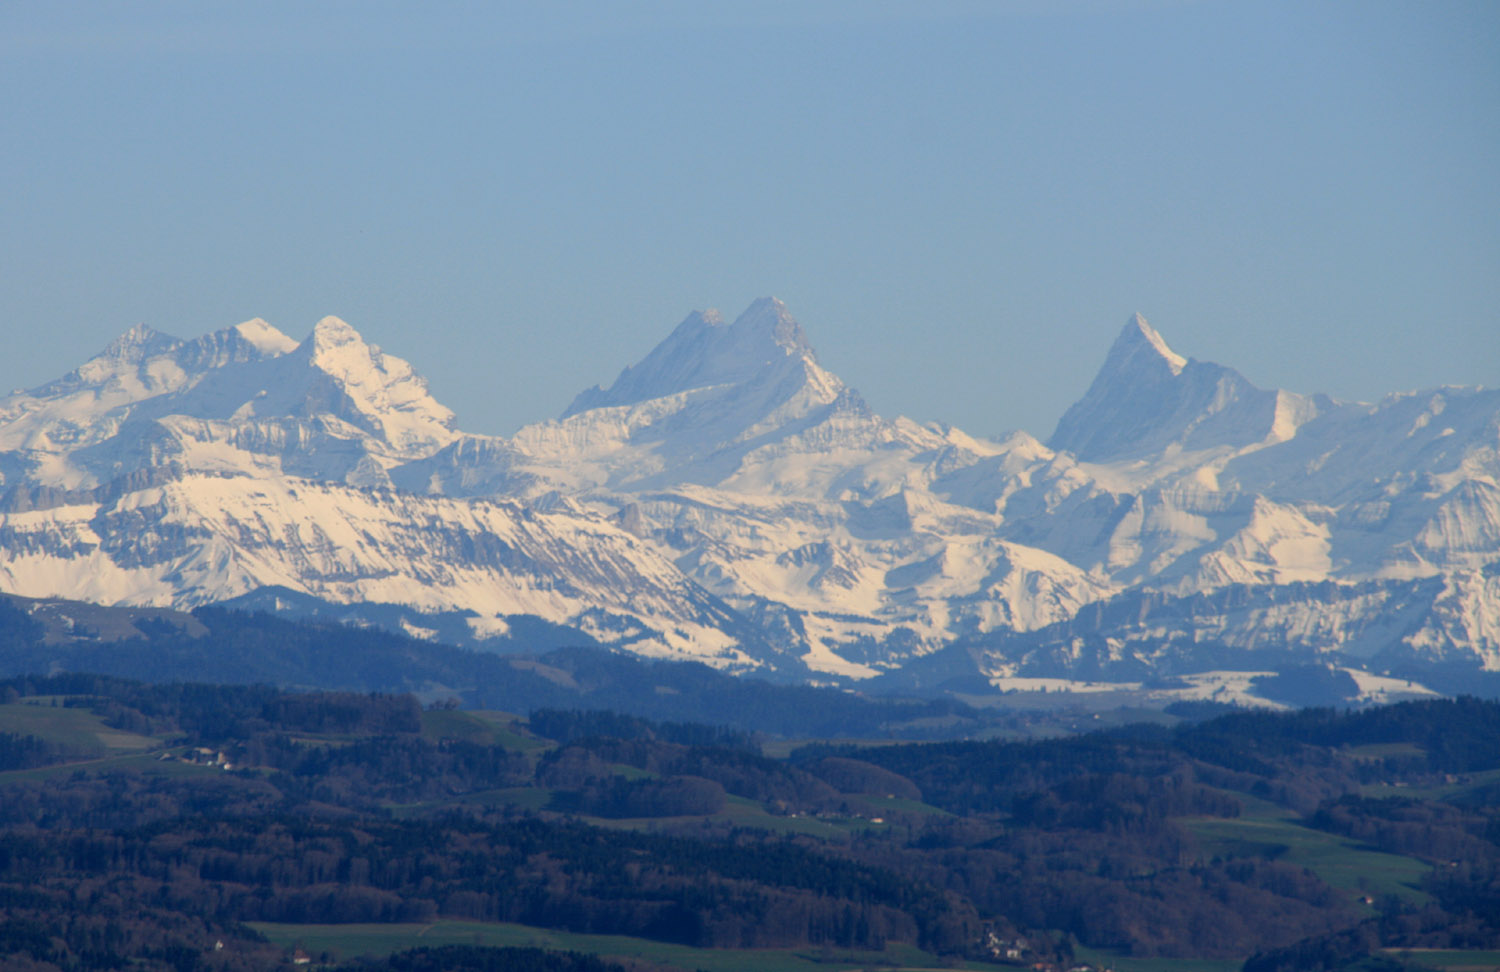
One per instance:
(768, 317)
(765, 323)
(702, 352)
(138, 344)
(337, 348)
(336, 372)
(1147, 397)
(1140, 344)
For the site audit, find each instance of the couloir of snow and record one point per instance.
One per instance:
(728, 496)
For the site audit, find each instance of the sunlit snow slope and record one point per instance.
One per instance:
(729, 499)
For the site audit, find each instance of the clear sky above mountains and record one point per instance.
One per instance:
(962, 202)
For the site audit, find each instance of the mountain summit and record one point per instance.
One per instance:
(1141, 349)
(1147, 397)
(702, 352)
(335, 370)
(707, 400)
(729, 500)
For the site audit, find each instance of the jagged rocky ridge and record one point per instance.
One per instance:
(729, 499)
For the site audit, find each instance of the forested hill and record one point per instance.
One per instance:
(145, 823)
(231, 647)
(215, 645)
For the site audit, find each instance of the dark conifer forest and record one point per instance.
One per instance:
(159, 825)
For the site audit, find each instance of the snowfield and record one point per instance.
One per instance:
(729, 500)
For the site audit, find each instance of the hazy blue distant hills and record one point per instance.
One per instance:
(215, 645)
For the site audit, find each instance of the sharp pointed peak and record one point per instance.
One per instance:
(703, 351)
(1147, 397)
(1139, 342)
(768, 315)
(764, 308)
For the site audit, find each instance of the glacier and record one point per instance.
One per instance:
(729, 500)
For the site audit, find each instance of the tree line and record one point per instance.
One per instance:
(349, 807)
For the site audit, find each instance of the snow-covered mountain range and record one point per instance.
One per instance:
(728, 499)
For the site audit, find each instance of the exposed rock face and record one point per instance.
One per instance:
(728, 499)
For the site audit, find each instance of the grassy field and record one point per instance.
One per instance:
(902, 805)
(483, 727)
(348, 941)
(1378, 751)
(78, 729)
(525, 797)
(782, 748)
(1449, 960)
(743, 812)
(738, 811)
(1438, 791)
(1264, 830)
(1125, 963)
(146, 763)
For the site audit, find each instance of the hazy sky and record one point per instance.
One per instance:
(961, 202)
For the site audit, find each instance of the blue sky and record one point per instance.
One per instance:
(962, 202)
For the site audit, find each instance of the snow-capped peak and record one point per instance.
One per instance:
(136, 341)
(1140, 347)
(1135, 390)
(136, 345)
(121, 357)
(1137, 328)
(339, 350)
(1146, 396)
(264, 337)
(768, 318)
(737, 500)
(334, 332)
(703, 352)
(380, 387)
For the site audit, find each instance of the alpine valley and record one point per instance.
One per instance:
(728, 500)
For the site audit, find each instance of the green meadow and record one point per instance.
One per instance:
(350, 941)
(1269, 832)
